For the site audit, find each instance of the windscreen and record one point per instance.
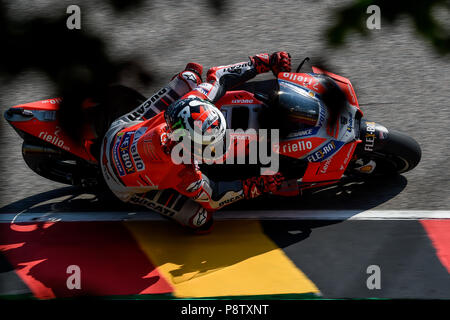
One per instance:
(301, 108)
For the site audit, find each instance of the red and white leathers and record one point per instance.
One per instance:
(138, 168)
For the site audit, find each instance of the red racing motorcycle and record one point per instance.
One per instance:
(324, 139)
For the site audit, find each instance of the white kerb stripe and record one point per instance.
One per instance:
(234, 215)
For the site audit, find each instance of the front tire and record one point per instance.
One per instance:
(399, 153)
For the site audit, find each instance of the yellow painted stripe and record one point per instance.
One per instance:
(237, 258)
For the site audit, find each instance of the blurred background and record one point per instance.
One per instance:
(400, 72)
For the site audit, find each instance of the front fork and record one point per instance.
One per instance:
(373, 138)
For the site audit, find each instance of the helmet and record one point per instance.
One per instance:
(200, 119)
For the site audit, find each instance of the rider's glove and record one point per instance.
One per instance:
(255, 186)
(280, 61)
(261, 62)
(195, 67)
(277, 62)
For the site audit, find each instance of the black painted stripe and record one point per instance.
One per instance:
(173, 199)
(150, 113)
(160, 105)
(175, 96)
(164, 196)
(151, 194)
(181, 201)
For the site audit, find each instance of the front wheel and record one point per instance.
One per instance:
(398, 153)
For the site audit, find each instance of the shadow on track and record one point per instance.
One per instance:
(67, 199)
(354, 197)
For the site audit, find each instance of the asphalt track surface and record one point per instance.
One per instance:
(399, 80)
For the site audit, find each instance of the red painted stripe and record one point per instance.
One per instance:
(110, 259)
(170, 198)
(11, 246)
(439, 233)
(39, 290)
(165, 102)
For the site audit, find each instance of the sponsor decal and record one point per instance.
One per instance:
(136, 158)
(366, 169)
(299, 145)
(302, 79)
(369, 141)
(134, 149)
(117, 162)
(321, 115)
(52, 101)
(325, 166)
(124, 151)
(152, 205)
(349, 153)
(49, 115)
(202, 90)
(350, 122)
(233, 199)
(326, 151)
(146, 105)
(237, 68)
(158, 95)
(298, 148)
(347, 157)
(304, 133)
(242, 101)
(54, 139)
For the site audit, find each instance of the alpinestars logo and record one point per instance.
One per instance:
(255, 192)
(190, 77)
(200, 218)
(194, 186)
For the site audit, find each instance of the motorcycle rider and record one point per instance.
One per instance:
(136, 151)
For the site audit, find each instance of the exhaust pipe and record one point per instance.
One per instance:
(28, 148)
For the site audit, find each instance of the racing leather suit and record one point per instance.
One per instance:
(138, 170)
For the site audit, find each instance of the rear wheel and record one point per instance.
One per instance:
(59, 166)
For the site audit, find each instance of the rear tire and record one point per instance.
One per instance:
(58, 166)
